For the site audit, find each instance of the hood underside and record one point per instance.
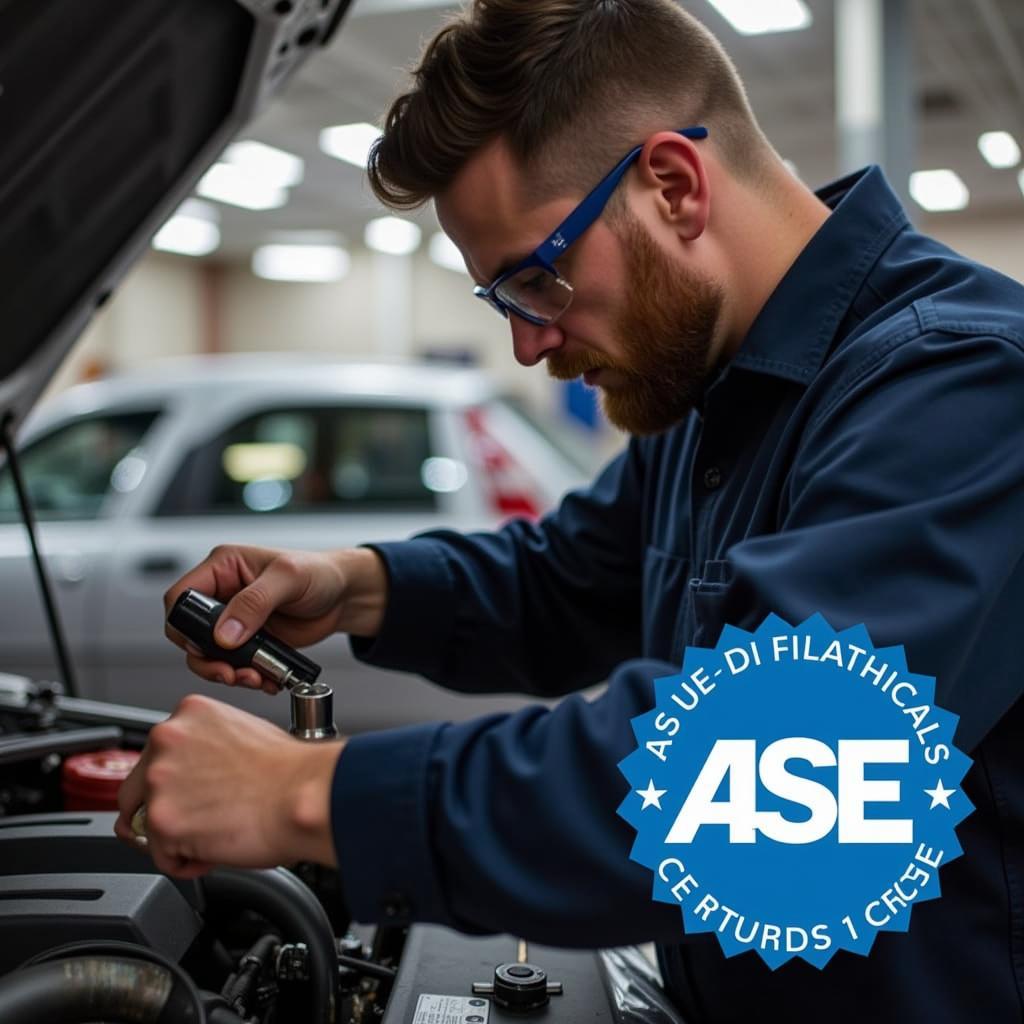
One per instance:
(110, 111)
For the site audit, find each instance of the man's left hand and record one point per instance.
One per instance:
(222, 786)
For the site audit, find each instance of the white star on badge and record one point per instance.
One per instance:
(652, 796)
(940, 795)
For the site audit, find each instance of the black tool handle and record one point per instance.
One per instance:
(194, 615)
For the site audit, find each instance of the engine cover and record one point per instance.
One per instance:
(38, 912)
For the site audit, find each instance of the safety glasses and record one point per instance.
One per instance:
(533, 289)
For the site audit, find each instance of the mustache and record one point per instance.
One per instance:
(570, 365)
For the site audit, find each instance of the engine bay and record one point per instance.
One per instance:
(91, 931)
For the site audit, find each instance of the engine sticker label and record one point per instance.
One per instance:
(795, 791)
(435, 1009)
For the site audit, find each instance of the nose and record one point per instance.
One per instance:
(531, 342)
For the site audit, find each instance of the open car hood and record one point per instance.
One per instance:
(110, 111)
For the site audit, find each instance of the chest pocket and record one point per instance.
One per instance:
(665, 583)
(705, 605)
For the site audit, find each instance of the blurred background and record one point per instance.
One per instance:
(933, 86)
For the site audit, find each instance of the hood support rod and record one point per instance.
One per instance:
(52, 615)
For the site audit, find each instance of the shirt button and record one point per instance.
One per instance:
(712, 478)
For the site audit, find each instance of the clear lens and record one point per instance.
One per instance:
(537, 293)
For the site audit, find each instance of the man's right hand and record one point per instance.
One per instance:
(301, 596)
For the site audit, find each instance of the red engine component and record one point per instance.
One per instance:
(90, 781)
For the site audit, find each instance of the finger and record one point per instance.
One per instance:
(130, 796)
(138, 822)
(213, 573)
(179, 866)
(123, 831)
(169, 858)
(202, 578)
(188, 869)
(180, 640)
(222, 672)
(211, 671)
(132, 792)
(224, 571)
(167, 863)
(280, 582)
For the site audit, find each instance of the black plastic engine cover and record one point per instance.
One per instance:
(76, 841)
(38, 912)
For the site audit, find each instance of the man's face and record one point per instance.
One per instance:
(661, 336)
(641, 324)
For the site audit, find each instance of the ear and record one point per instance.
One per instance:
(673, 176)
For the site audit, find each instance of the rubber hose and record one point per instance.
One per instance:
(218, 1011)
(288, 903)
(246, 978)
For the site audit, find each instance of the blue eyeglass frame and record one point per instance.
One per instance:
(568, 232)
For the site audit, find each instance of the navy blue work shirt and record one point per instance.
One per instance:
(861, 456)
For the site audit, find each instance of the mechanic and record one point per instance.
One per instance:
(825, 412)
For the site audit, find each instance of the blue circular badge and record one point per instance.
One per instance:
(795, 791)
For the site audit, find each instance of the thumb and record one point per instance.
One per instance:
(243, 615)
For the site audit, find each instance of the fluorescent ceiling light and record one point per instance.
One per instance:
(227, 184)
(300, 262)
(445, 253)
(192, 231)
(349, 142)
(392, 235)
(758, 17)
(266, 164)
(189, 236)
(1000, 149)
(939, 191)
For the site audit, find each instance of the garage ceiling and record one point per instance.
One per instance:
(969, 60)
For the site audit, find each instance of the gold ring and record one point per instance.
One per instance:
(139, 825)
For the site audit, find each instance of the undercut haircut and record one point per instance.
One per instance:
(569, 86)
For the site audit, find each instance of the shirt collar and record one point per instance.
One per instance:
(795, 328)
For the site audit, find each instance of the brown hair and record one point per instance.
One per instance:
(569, 85)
